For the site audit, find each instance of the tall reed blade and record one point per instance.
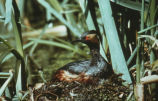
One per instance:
(118, 60)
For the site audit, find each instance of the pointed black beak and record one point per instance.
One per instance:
(77, 40)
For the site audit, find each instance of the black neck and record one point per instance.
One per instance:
(93, 46)
(94, 52)
(96, 57)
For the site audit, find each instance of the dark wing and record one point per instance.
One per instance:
(97, 69)
(77, 67)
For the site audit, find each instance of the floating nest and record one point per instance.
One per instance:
(110, 89)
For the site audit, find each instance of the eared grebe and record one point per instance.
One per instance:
(86, 70)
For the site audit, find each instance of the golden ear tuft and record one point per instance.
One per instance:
(92, 37)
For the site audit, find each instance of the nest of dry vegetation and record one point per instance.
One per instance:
(110, 89)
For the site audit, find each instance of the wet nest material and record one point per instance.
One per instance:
(110, 89)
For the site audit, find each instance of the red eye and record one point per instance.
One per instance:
(87, 38)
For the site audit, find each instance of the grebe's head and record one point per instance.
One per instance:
(90, 38)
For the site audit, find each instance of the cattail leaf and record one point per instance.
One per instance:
(118, 60)
(8, 6)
